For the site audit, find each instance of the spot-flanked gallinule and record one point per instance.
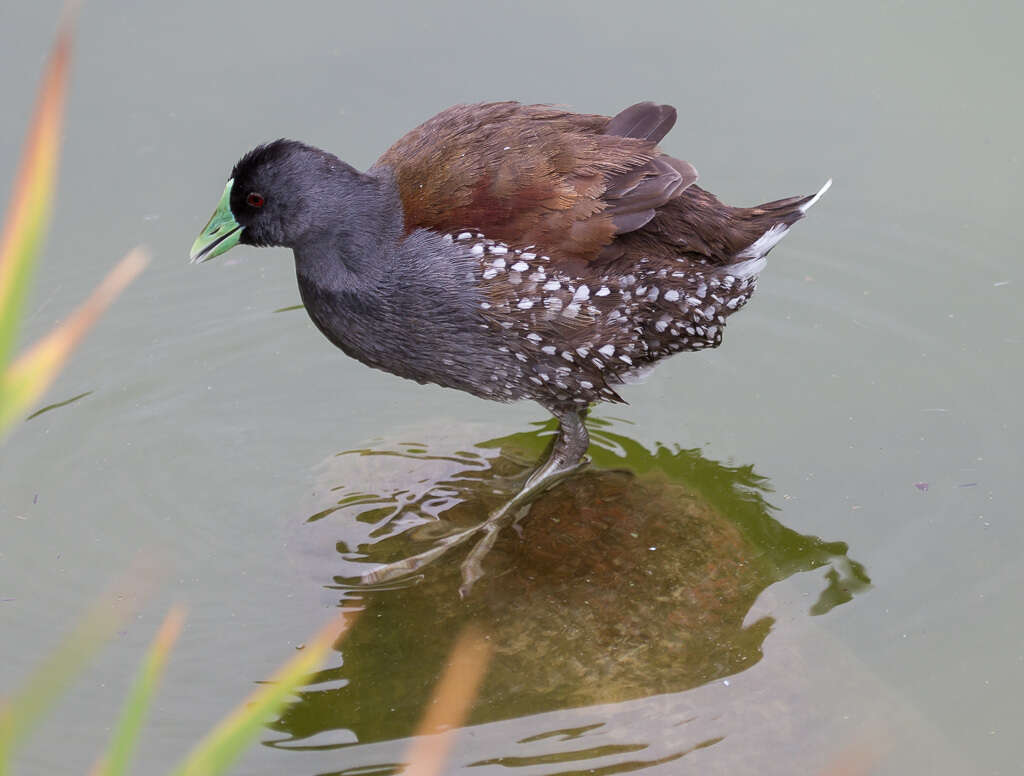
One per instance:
(511, 251)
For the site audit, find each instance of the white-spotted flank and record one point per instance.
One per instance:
(572, 341)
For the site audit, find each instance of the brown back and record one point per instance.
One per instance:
(567, 183)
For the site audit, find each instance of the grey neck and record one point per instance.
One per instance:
(356, 227)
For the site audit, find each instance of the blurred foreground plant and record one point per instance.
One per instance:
(450, 704)
(24, 381)
(218, 749)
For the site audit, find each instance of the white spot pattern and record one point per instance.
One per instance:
(551, 322)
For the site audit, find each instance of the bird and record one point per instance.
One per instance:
(511, 251)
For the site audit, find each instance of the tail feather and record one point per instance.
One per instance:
(812, 199)
(765, 242)
(745, 270)
(780, 216)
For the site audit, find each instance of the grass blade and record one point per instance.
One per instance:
(126, 734)
(453, 698)
(32, 198)
(58, 404)
(23, 710)
(26, 379)
(222, 746)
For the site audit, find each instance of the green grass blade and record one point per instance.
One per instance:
(126, 735)
(58, 404)
(23, 710)
(23, 231)
(32, 198)
(223, 745)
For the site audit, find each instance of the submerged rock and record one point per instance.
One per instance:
(633, 578)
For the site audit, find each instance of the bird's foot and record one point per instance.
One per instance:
(566, 458)
(513, 510)
(551, 473)
(402, 568)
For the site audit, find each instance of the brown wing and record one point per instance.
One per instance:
(568, 183)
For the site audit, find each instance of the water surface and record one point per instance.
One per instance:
(831, 494)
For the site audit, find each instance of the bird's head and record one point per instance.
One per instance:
(270, 199)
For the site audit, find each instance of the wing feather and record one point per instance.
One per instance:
(569, 183)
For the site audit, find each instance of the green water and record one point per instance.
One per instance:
(792, 551)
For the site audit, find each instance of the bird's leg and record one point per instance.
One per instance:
(566, 456)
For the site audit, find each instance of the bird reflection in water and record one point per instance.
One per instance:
(632, 578)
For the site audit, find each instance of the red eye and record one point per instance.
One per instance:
(255, 200)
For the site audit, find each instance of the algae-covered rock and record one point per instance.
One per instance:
(632, 578)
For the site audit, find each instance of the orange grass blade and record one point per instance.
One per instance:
(861, 757)
(222, 746)
(453, 698)
(32, 196)
(126, 735)
(27, 378)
